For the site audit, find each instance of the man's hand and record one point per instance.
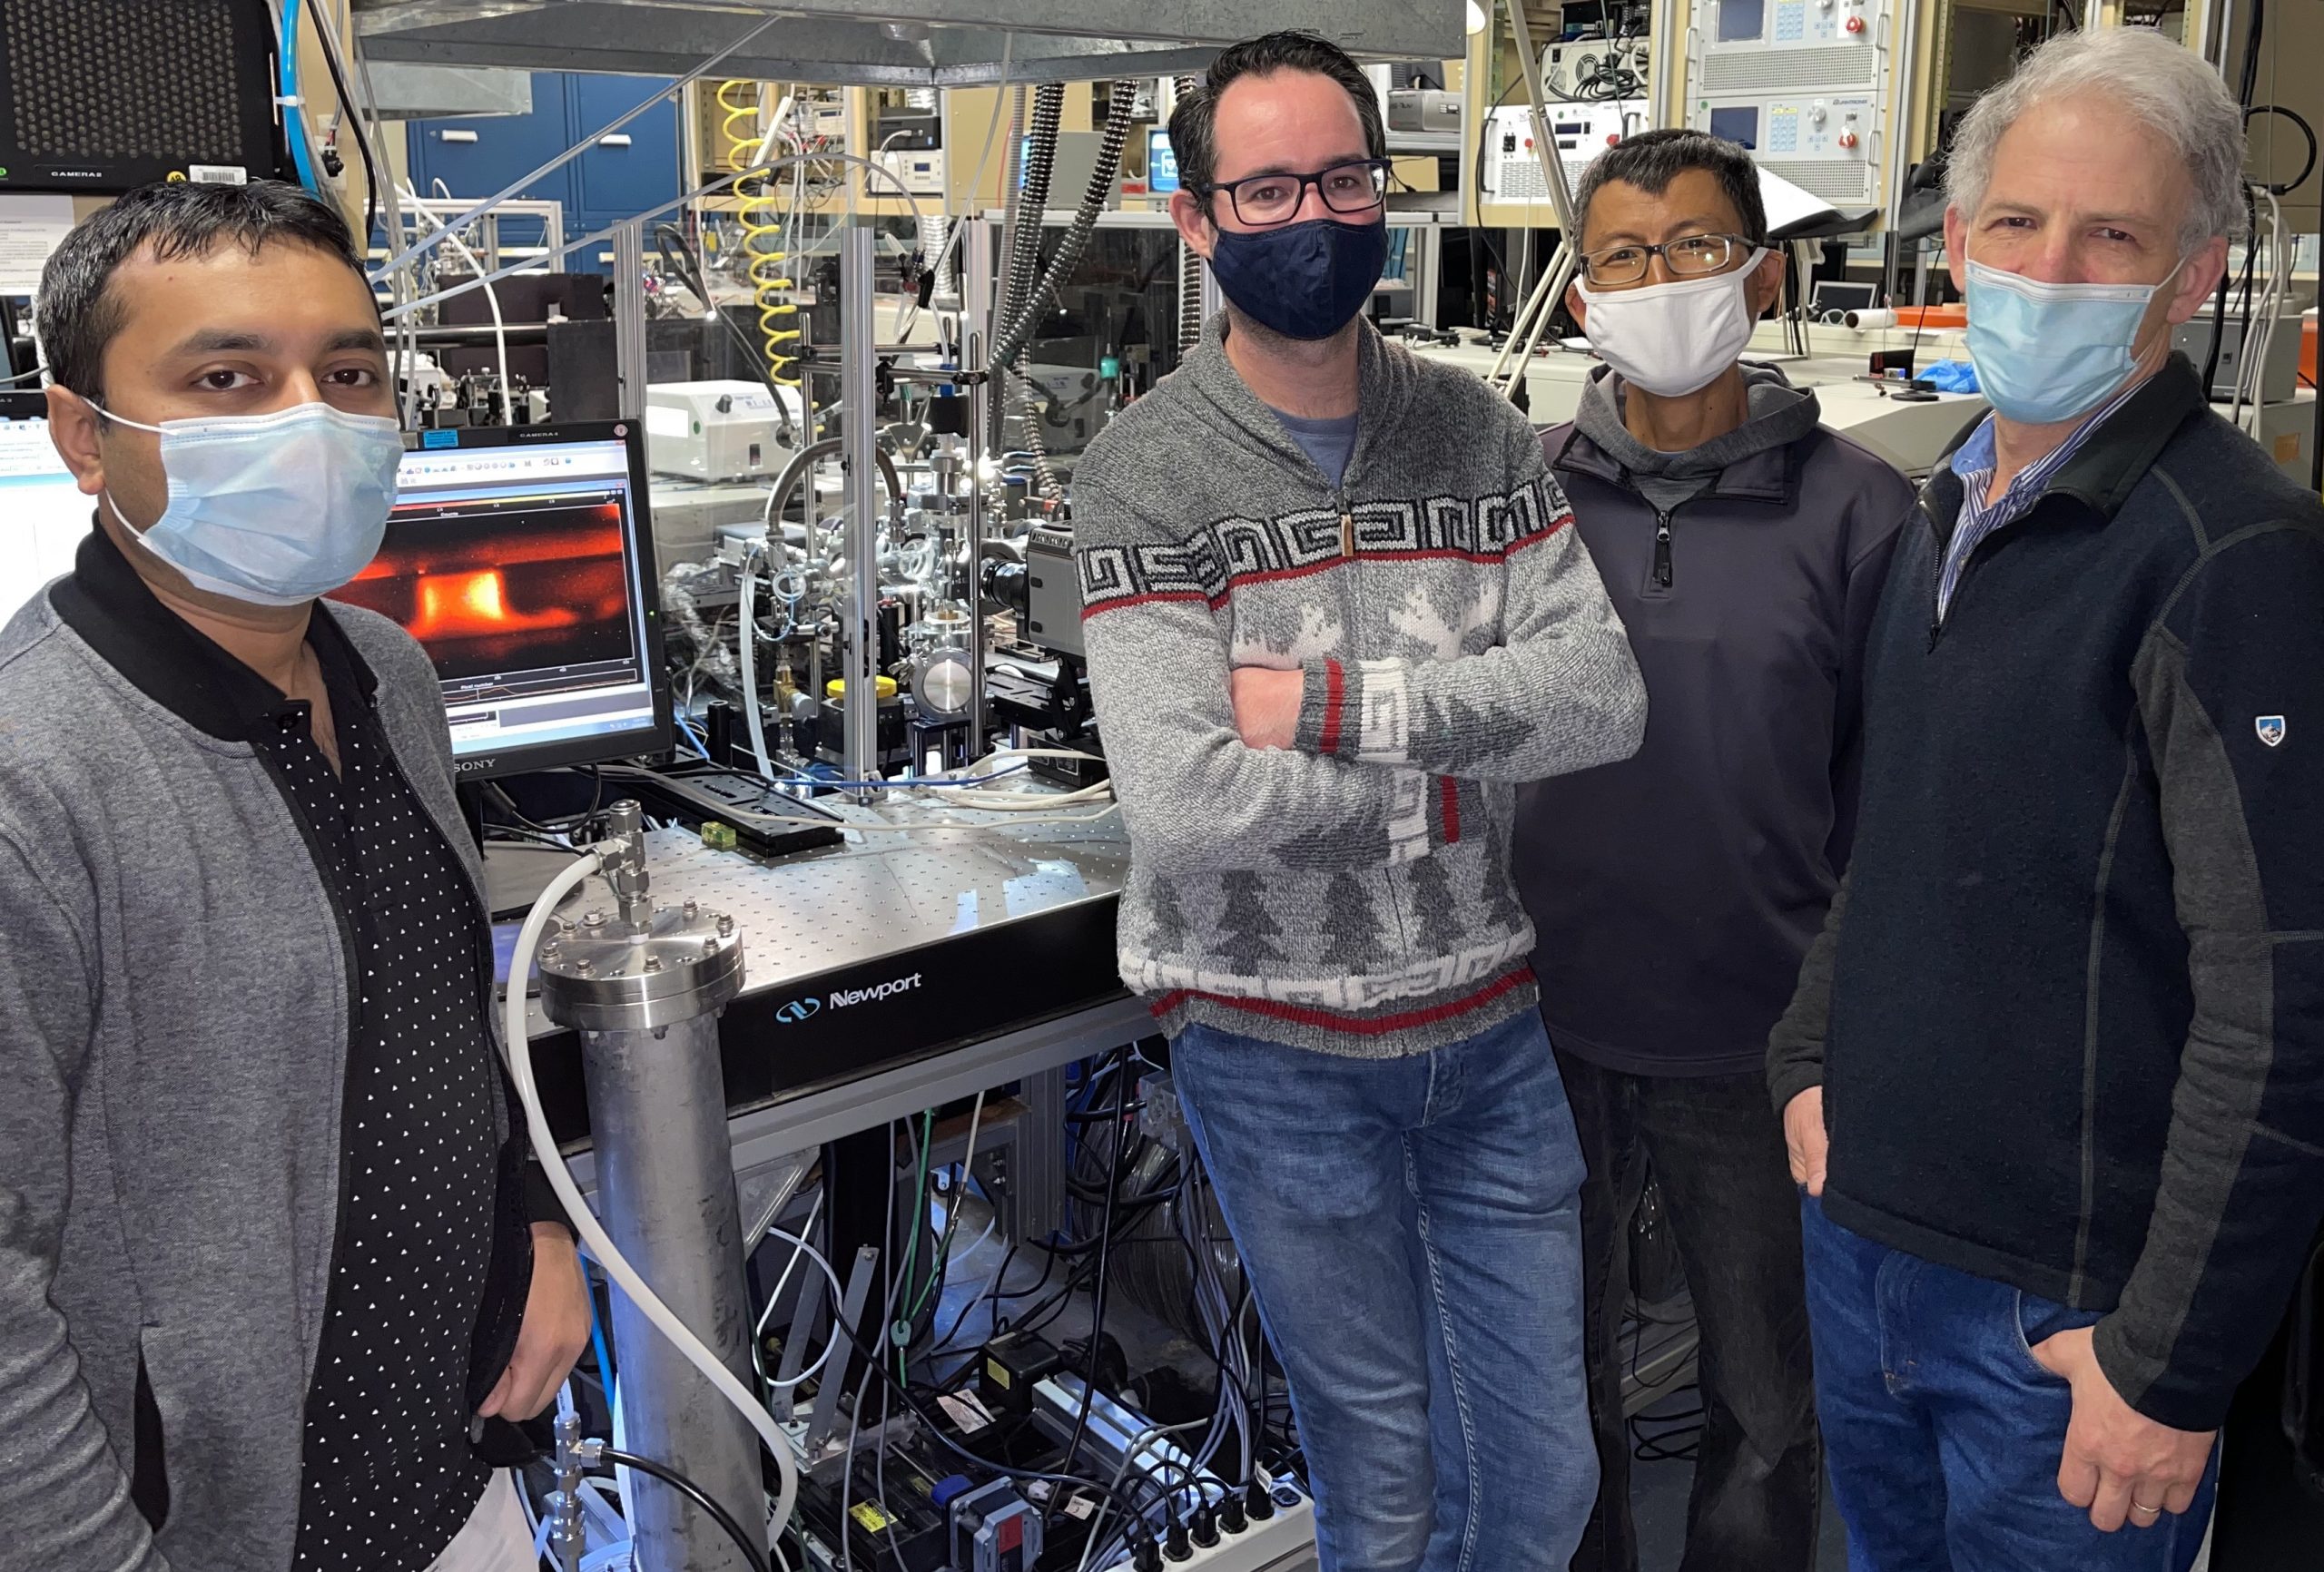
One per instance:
(556, 1329)
(1266, 705)
(1802, 1136)
(2118, 1463)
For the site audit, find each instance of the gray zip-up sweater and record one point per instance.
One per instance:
(1351, 893)
(174, 1020)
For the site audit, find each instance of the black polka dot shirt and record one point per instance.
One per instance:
(387, 1477)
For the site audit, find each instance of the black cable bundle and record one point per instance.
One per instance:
(756, 1553)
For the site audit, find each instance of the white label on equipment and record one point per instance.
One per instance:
(662, 420)
(217, 174)
(1080, 1507)
(31, 227)
(965, 1413)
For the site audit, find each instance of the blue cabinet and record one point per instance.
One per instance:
(637, 169)
(633, 169)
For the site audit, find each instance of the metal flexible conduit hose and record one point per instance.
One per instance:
(1018, 334)
(1028, 315)
(1190, 267)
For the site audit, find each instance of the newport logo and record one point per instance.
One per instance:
(797, 1010)
(902, 985)
(2271, 729)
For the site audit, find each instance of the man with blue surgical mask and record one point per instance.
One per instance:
(1335, 610)
(274, 1274)
(2053, 1081)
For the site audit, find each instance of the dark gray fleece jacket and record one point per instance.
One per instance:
(1676, 891)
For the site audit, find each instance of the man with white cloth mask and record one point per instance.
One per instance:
(1676, 892)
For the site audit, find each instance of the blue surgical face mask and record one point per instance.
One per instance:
(275, 509)
(1304, 280)
(2046, 353)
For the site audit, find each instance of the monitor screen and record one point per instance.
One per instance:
(43, 514)
(1737, 125)
(522, 559)
(1161, 164)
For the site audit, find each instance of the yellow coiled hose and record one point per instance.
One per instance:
(761, 216)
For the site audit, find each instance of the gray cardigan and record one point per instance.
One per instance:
(173, 1032)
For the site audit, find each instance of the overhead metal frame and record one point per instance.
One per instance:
(888, 43)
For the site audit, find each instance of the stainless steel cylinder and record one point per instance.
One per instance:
(643, 992)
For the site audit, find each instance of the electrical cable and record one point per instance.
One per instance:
(1097, 1308)
(936, 1426)
(2307, 168)
(698, 1496)
(934, 1289)
(592, 1235)
(374, 184)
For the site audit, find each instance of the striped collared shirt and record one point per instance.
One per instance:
(1974, 462)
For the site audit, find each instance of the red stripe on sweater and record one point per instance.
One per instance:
(1195, 595)
(1358, 1026)
(1449, 793)
(1335, 685)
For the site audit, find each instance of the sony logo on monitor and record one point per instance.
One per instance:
(473, 766)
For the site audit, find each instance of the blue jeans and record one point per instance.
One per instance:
(1413, 1237)
(1942, 1433)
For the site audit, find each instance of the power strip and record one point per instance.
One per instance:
(1286, 1541)
(1279, 1542)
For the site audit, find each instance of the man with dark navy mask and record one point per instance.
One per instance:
(1335, 614)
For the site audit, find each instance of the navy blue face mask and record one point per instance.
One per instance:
(1304, 280)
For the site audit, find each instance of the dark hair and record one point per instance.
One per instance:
(1193, 123)
(78, 313)
(1651, 159)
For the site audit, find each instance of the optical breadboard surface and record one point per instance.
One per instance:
(106, 95)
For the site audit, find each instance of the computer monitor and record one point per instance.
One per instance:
(43, 514)
(522, 558)
(1161, 163)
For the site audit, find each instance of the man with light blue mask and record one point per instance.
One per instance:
(275, 1278)
(2053, 1078)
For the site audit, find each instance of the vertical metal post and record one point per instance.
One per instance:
(629, 317)
(976, 298)
(859, 396)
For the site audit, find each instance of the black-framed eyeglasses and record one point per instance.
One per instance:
(1688, 257)
(1273, 199)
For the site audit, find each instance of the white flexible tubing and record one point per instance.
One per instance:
(492, 298)
(593, 1237)
(747, 634)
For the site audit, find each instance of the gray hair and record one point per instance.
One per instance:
(2168, 88)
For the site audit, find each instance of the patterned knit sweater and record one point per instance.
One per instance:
(1350, 894)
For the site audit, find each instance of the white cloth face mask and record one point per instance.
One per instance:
(1672, 338)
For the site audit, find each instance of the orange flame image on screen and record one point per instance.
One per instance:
(469, 605)
(490, 593)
